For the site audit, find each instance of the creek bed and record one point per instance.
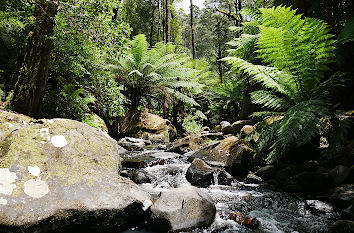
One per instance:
(277, 211)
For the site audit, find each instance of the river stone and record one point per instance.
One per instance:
(342, 196)
(200, 174)
(226, 127)
(339, 174)
(48, 185)
(247, 129)
(266, 172)
(231, 153)
(342, 226)
(183, 208)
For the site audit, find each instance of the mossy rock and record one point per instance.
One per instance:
(62, 173)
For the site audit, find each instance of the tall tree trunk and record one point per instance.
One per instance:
(167, 21)
(152, 25)
(31, 83)
(193, 30)
(221, 69)
(238, 7)
(159, 28)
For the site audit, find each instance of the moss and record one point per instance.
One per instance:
(88, 151)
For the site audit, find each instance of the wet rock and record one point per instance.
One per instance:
(137, 176)
(184, 208)
(266, 172)
(313, 181)
(121, 150)
(223, 177)
(238, 125)
(164, 155)
(231, 153)
(226, 127)
(60, 174)
(248, 222)
(253, 179)
(319, 207)
(247, 129)
(342, 226)
(339, 174)
(193, 142)
(310, 166)
(200, 174)
(342, 196)
(283, 175)
(140, 161)
(133, 144)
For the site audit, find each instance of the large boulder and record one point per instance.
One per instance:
(183, 208)
(142, 124)
(200, 174)
(231, 153)
(194, 142)
(62, 175)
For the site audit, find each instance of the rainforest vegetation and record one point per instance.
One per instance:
(284, 66)
(229, 60)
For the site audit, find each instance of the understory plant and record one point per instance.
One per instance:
(294, 53)
(156, 75)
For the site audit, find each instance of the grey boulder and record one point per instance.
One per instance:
(183, 208)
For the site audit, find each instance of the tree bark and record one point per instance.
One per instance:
(167, 21)
(221, 69)
(193, 31)
(31, 83)
(159, 29)
(152, 26)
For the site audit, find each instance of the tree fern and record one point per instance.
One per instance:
(147, 73)
(297, 51)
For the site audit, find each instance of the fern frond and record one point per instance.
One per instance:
(299, 125)
(270, 77)
(182, 97)
(269, 99)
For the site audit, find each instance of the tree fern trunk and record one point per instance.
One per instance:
(31, 83)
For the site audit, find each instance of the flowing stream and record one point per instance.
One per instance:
(277, 211)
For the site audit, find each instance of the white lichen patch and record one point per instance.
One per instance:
(45, 133)
(59, 141)
(10, 125)
(35, 171)
(3, 201)
(6, 181)
(50, 121)
(36, 188)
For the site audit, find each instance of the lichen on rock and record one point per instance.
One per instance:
(6, 181)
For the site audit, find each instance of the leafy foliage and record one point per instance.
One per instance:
(145, 73)
(297, 51)
(226, 99)
(77, 100)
